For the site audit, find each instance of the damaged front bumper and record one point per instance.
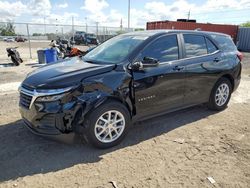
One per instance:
(60, 117)
(48, 118)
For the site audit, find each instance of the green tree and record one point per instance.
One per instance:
(246, 24)
(7, 29)
(37, 34)
(120, 32)
(139, 29)
(51, 36)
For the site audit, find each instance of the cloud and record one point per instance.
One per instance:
(65, 18)
(159, 10)
(95, 11)
(55, 23)
(40, 7)
(154, 11)
(178, 9)
(151, 11)
(9, 11)
(63, 5)
(245, 3)
(100, 11)
(95, 6)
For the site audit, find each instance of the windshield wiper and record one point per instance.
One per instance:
(88, 61)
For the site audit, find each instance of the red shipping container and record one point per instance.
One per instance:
(231, 30)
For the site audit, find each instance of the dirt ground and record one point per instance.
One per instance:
(23, 49)
(181, 149)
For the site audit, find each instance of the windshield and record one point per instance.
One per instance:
(114, 50)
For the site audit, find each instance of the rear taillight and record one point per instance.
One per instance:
(240, 56)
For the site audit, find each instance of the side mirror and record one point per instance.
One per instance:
(136, 66)
(150, 62)
(146, 62)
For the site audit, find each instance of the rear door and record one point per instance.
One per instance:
(161, 88)
(200, 56)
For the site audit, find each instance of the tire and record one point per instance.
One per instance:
(15, 61)
(216, 101)
(95, 126)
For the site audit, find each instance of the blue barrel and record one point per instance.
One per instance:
(51, 55)
(41, 56)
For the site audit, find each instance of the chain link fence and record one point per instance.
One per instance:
(38, 36)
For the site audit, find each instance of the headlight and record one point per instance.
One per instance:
(52, 91)
(48, 95)
(49, 98)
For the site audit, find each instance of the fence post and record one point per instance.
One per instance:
(27, 25)
(104, 34)
(73, 32)
(97, 28)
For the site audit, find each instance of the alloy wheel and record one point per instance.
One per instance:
(222, 94)
(109, 126)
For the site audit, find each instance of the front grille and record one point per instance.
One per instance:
(25, 100)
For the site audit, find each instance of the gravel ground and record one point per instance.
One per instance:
(23, 49)
(181, 149)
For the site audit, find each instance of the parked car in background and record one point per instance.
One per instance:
(78, 39)
(130, 77)
(9, 39)
(82, 37)
(20, 39)
(91, 38)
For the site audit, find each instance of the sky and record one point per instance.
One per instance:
(111, 12)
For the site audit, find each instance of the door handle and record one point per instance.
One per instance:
(178, 68)
(216, 59)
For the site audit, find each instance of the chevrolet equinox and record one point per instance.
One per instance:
(130, 77)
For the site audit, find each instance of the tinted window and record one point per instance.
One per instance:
(225, 42)
(164, 49)
(210, 46)
(195, 45)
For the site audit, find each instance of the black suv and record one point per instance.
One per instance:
(130, 77)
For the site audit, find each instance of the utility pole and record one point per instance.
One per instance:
(56, 27)
(97, 28)
(86, 24)
(73, 32)
(128, 14)
(44, 25)
(27, 25)
(121, 24)
(188, 14)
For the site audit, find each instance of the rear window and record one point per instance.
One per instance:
(195, 45)
(224, 42)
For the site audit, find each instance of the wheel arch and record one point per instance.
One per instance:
(84, 109)
(230, 78)
(117, 99)
(227, 76)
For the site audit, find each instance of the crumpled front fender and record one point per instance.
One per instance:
(96, 91)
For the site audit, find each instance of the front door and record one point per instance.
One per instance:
(161, 88)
